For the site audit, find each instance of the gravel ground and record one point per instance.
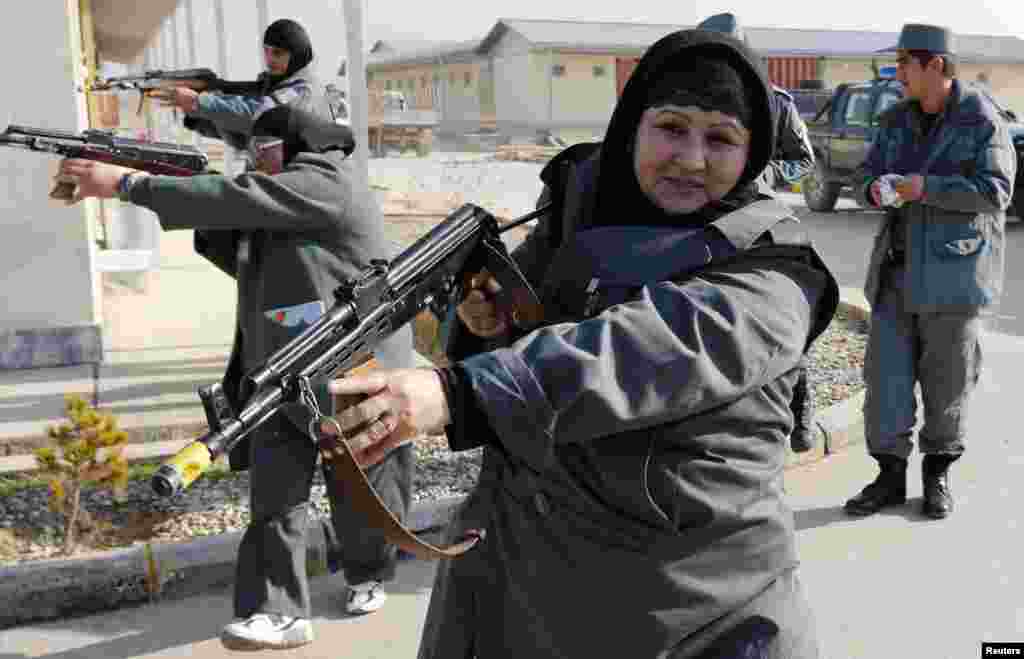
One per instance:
(502, 187)
(30, 531)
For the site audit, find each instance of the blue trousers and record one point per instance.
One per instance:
(941, 351)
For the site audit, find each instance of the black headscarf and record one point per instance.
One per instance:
(710, 70)
(289, 35)
(303, 131)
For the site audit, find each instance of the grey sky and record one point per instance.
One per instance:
(469, 20)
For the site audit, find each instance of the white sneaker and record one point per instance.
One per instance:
(267, 630)
(366, 597)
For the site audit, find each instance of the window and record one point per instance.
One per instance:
(468, 78)
(599, 71)
(885, 101)
(387, 85)
(557, 70)
(451, 78)
(858, 109)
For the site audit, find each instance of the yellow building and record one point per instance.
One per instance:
(565, 76)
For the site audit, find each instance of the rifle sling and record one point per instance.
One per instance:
(348, 482)
(346, 479)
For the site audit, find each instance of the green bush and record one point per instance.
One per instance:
(88, 448)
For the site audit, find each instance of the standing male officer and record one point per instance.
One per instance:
(943, 167)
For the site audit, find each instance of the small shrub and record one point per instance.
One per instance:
(89, 448)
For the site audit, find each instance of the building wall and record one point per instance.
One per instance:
(585, 93)
(453, 89)
(576, 104)
(836, 72)
(624, 67)
(516, 100)
(47, 279)
(789, 72)
(1005, 80)
(416, 82)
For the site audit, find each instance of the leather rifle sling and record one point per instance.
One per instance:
(349, 482)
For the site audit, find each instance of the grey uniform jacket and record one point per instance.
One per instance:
(288, 239)
(955, 235)
(632, 490)
(794, 157)
(230, 118)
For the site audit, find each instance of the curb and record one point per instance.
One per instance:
(841, 424)
(62, 588)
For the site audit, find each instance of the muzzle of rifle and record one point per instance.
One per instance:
(182, 469)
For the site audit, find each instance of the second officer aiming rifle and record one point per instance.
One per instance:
(150, 83)
(430, 274)
(153, 157)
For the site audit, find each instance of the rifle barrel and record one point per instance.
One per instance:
(532, 215)
(49, 134)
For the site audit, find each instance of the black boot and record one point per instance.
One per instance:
(804, 436)
(888, 489)
(938, 500)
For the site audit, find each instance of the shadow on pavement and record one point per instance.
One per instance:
(817, 517)
(176, 625)
(114, 393)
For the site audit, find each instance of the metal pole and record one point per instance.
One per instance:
(263, 17)
(359, 106)
(222, 63)
(551, 88)
(175, 44)
(190, 29)
(193, 57)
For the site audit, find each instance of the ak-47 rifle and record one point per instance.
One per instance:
(149, 83)
(431, 274)
(153, 157)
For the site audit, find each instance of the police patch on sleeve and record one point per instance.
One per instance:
(300, 315)
(287, 95)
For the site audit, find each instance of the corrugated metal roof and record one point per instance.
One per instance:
(581, 35)
(412, 52)
(634, 38)
(770, 41)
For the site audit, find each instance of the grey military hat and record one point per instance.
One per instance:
(920, 36)
(725, 23)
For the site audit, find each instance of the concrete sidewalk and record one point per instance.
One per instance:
(891, 585)
(161, 341)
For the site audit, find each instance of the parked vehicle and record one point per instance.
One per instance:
(810, 98)
(844, 129)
